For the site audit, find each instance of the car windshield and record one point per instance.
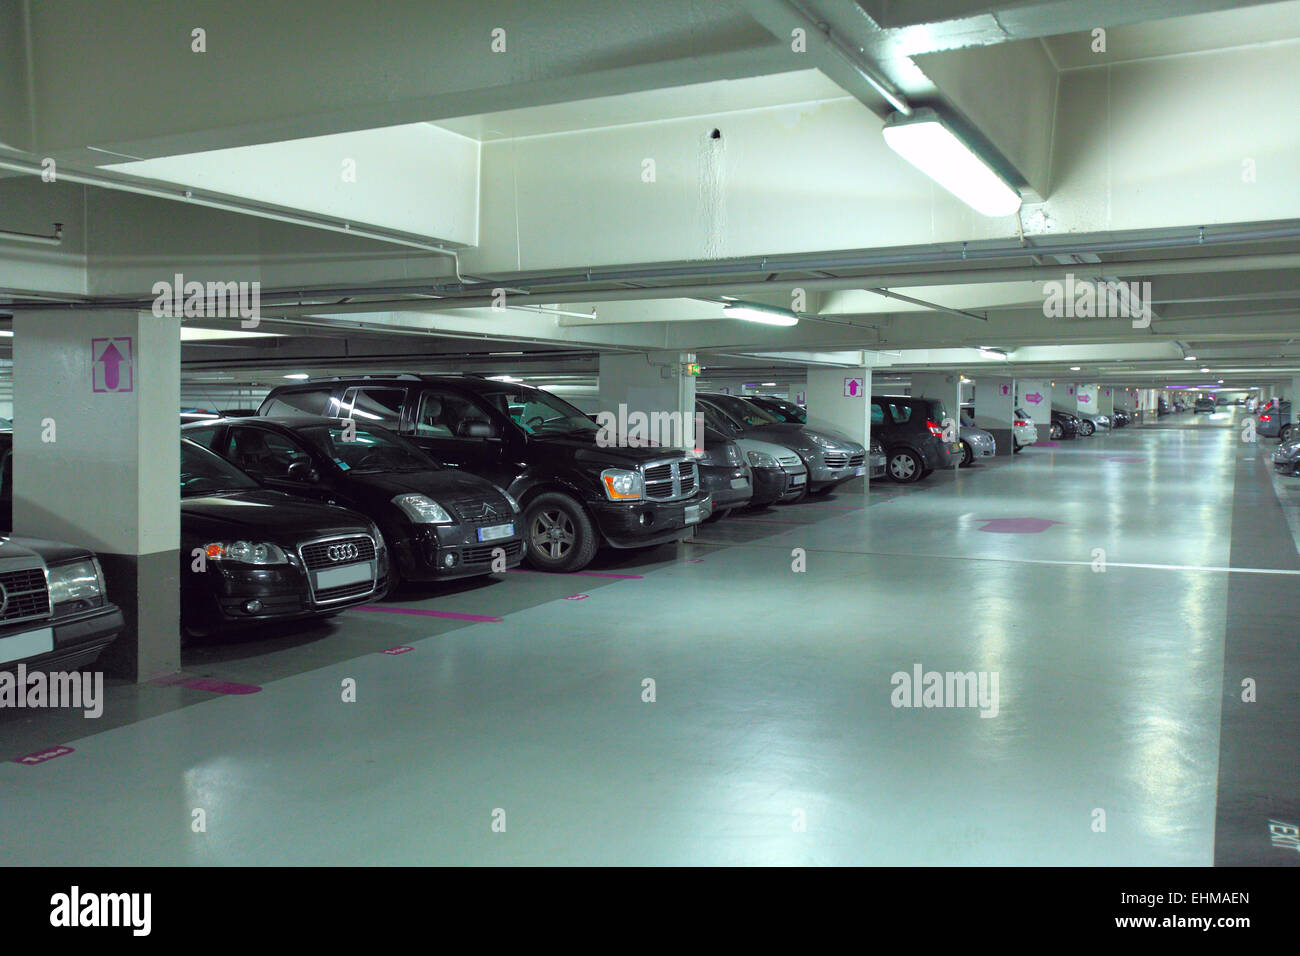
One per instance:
(206, 473)
(367, 451)
(782, 410)
(538, 412)
(746, 412)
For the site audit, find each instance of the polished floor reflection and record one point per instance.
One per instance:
(772, 736)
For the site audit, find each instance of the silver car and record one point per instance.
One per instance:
(1023, 431)
(1286, 458)
(780, 476)
(975, 442)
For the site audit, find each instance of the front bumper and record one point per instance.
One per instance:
(729, 487)
(644, 524)
(822, 475)
(220, 597)
(79, 639)
(448, 552)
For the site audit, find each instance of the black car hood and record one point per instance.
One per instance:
(445, 482)
(53, 552)
(265, 512)
(583, 447)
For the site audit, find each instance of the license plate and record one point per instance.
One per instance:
(797, 480)
(19, 646)
(860, 470)
(496, 531)
(692, 514)
(344, 575)
(739, 482)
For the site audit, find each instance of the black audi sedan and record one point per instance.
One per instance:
(252, 555)
(438, 523)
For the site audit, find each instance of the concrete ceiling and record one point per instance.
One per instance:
(532, 165)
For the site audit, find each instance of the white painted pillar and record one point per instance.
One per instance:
(995, 409)
(97, 463)
(1035, 397)
(650, 382)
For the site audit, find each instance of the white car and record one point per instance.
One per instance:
(1023, 431)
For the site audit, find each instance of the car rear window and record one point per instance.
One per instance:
(307, 402)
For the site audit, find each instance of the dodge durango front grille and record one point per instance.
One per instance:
(669, 481)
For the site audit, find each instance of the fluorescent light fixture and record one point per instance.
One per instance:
(6, 333)
(298, 376)
(925, 141)
(765, 314)
(1074, 368)
(1205, 370)
(1189, 358)
(192, 333)
(768, 384)
(504, 378)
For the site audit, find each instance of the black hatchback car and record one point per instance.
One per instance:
(251, 555)
(912, 431)
(438, 523)
(577, 490)
(1065, 425)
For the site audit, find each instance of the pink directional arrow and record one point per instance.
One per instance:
(1085, 398)
(1033, 398)
(112, 360)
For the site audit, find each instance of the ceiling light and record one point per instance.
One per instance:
(925, 141)
(1205, 370)
(768, 384)
(1074, 368)
(765, 314)
(1189, 358)
(298, 376)
(504, 378)
(6, 333)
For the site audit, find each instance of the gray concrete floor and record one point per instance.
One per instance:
(773, 696)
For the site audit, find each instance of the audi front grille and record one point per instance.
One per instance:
(337, 552)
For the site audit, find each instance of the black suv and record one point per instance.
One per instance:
(576, 493)
(912, 431)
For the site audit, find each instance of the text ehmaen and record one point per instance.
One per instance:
(1195, 898)
(131, 910)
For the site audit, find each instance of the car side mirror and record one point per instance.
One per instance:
(304, 472)
(476, 429)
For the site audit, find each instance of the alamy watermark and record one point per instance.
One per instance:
(637, 429)
(211, 300)
(78, 690)
(922, 688)
(1098, 299)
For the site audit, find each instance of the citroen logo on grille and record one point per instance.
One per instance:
(489, 511)
(343, 552)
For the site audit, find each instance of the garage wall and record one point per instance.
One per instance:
(785, 179)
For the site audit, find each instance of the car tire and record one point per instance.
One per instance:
(823, 492)
(904, 466)
(1016, 448)
(967, 456)
(1284, 434)
(1087, 428)
(1055, 430)
(558, 535)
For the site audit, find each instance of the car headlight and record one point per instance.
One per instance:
(245, 552)
(422, 509)
(759, 459)
(819, 440)
(621, 484)
(78, 581)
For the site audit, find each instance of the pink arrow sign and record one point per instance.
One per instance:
(852, 387)
(111, 365)
(1085, 397)
(1033, 398)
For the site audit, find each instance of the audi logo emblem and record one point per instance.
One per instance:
(343, 552)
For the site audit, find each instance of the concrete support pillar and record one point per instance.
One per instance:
(1293, 394)
(841, 398)
(1106, 402)
(1085, 398)
(945, 386)
(1035, 397)
(651, 383)
(995, 410)
(97, 463)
